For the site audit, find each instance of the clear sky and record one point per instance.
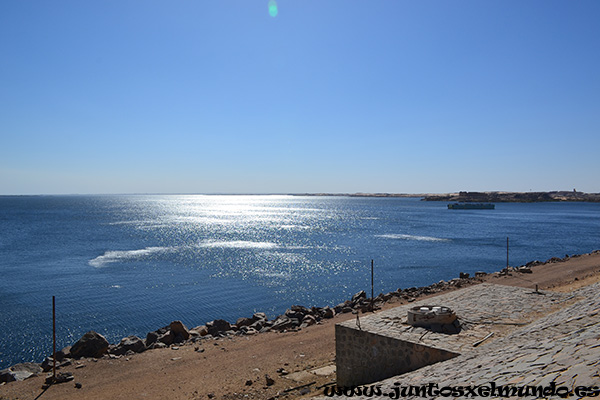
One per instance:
(327, 96)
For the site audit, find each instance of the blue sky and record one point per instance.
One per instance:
(328, 96)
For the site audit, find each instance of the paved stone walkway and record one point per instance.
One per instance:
(481, 310)
(561, 347)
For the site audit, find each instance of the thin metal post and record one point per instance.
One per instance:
(372, 294)
(507, 253)
(53, 338)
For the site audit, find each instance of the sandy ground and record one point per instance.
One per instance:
(564, 276)
(236, 368)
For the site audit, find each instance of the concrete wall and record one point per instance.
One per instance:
(363, 357)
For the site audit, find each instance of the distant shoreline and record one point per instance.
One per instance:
(488, 197)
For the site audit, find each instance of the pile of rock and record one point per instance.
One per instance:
(63, 358)
(294, 318)
(174, 333)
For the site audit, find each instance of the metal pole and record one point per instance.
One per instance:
(372, 294)
(507, 254)
(53, 338)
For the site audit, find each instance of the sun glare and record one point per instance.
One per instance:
(273, 8)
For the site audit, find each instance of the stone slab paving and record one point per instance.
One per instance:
(481, 309)
(562, 347)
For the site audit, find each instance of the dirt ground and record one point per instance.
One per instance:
(236, 368)
(563, 276)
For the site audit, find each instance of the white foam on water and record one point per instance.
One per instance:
(288, 258)
(128, 222)
(399, 236)
(201, 219)
(113, 256)
(298, 227)
(238, 244)
(279, 275)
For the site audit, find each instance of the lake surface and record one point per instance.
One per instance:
(127, 265)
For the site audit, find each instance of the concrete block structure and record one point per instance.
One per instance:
(365, 357)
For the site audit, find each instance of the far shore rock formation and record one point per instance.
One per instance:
(515, 197)
(488, 197)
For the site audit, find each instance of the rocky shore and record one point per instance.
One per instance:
(92, 345)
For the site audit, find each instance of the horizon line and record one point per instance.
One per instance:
(340, 194)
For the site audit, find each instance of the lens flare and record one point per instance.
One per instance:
(273, 8)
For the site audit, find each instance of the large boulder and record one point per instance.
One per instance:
(283, 323)
(48, 364)
(162, 335)
(358, 296)
(151, 338)
(6, 375)
(294, 314)
(63, 354)
(328, 312)
(308, 320)
(92, 344)
(218, 326)
(199, 330)
(297, 312)
(259, 316)
(20, 372)
(130, 343)
(250, 331)
(387, 296)
(179, 331)
(300, 309)
(347, 304)
(258, 325)
(243, 321)
(167, 338)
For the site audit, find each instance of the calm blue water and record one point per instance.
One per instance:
(124, 265)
